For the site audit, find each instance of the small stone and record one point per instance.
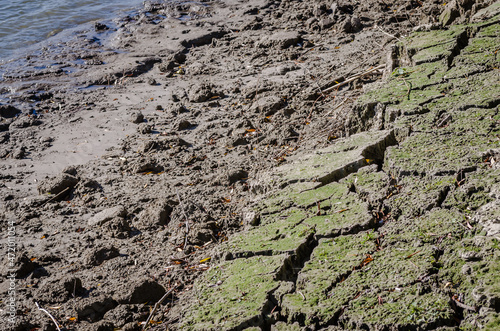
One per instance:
(97, 256)
(71, 170)
(346, 26)
(106, 215)
(58, 184)
(19, 153)
(93, 308)
(166, 66)
(251, 218)
(184, 125)
(237, 175)
(140, 291)
(152, 81)
(144, 128)
(180, 58)
(100, 26)
(7, 111)
(24, 266)
(356, 24)
(136, 117)
(326, 23)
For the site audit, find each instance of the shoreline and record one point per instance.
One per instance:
(64, 25)
(128, 178)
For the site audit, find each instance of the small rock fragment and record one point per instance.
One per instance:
(100, 26)
(184, 125)
(7, 111)
(19, 153)
(106, 215)
(136, 117)
(93, 308)
(356, 24)
(144, 128)
(236, 175)
(58, 184)
(140, 291)
(97, 256)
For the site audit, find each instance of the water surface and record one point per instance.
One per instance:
(25, 22)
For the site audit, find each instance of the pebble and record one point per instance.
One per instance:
(136, 117)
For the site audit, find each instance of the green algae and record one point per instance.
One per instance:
(423, 40)
(388, 249)
(403, 310)
(330, 263)
(370, 185)
(282, 233)
(474, 190)
(332, 163)
(233, 294)
(342, 270)
(414, 196)
(437, 223)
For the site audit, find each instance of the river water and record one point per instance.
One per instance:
(26, 22)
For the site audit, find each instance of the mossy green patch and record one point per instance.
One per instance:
(369, 184)
(492, 30)
(474, 190)
(342, 216)
(342, 269)
(414, 196)
(332, 163)
(279, 233)
(233, 294)
(438, 224)
(330, 263)
(471, 272)
(403, 309)
(422, 40)
(437, 151)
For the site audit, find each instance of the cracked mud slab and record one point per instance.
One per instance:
(234, 294)
(408, 243)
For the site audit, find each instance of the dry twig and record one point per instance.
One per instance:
(353, 78)
(51, 317)
(185, 216)
(156, 307)
(464, 306)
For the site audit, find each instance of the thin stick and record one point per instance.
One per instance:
(337, 106)
(353, 78)
(388, 34)
(156, 307)
(185, 216)
(464, 306)
(51, 317)
(55, 197)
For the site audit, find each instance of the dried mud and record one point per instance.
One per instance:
(217, 157)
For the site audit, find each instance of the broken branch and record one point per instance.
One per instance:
(353, 78)
(156, 307)
(51, 317)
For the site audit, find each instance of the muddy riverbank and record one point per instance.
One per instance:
(133, 170)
